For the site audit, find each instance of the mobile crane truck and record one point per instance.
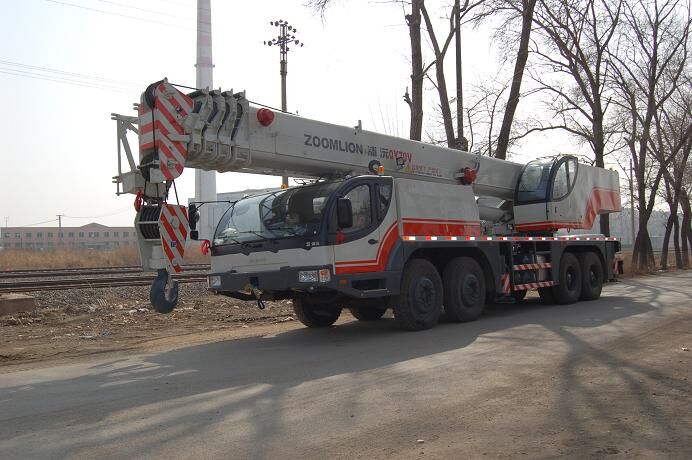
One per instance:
(380, 222)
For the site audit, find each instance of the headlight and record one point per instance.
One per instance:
(308, 276)
(325, 275)
(214, 281)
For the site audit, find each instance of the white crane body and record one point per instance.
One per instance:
(377, 206)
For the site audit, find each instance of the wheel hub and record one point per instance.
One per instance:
(424, 295)
(470, 290)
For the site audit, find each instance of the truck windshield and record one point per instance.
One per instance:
(281, 214)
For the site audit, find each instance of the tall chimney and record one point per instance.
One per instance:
(205, 181)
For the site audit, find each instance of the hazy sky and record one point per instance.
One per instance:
(65, 65)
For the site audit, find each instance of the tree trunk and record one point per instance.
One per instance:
(685, 251)
(461, 139)
(445, 108)
(676, 242)
(686, 231)
(514, 92)
(666, 241)
(416, 101)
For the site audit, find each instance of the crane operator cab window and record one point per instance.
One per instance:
(546, 180)
(563, 181)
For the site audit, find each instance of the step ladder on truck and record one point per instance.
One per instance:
(380, 222)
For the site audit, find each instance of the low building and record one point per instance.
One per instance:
(92, 236)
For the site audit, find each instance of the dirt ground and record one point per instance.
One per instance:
(86, 321)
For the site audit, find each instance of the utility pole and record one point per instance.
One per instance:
(60, 216)
(286, 37)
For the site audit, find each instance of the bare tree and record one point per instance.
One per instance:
(525, 8)
(415, 100)
(672, 136)
(650, 61)
(456, 19)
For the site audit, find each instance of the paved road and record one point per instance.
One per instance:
(604, 378)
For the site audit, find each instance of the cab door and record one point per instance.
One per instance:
(358, 249)
(564, 206)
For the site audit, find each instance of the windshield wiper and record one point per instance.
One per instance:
(256, 233)
(287, 229)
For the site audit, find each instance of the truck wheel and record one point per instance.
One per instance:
(569, 288)
(591, 276)
(163, 297)
(419, 305)
(315, 315)
(367, 313)
(464, 289)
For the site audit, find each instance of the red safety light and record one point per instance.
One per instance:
(265, 117)
(139, 199)
(468, 176)
(205, 247)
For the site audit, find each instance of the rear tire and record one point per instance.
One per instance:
(419, 305)
(569, 288)
(464, 290)
(367, 313)
(313, 314)
(591, 276)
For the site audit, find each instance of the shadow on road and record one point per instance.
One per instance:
(190, 389)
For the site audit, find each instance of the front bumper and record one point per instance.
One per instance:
(280, 284)
(285, 279)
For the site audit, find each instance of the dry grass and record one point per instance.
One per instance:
(66, 258)
(11, 259)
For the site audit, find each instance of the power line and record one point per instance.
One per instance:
(72, 74)
(103, 215)
(136, 18)
(38, 223)
(158, 13)
(60, 80)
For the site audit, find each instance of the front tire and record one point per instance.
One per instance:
(312, 314)
(419, 305)
(464, 290)
(591, 276)
(570, 281)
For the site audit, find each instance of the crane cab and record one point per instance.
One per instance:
(559, 192)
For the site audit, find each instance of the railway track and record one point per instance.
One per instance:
(65, 272)
(93, 277)
(91, 282)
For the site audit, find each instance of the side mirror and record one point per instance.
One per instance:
(344, 213)
(193, 217)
